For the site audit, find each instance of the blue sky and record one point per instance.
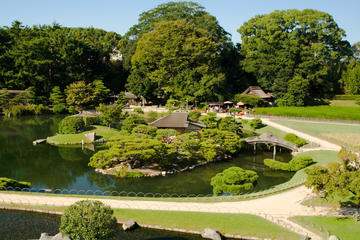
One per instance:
(118, 16)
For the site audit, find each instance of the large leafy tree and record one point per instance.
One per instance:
(351, 78)
(176, 60)
(294, 53)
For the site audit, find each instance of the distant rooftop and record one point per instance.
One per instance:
(256, 91)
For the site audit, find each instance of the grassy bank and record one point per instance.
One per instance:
(102, 132)
(342, 227)
(341, 133)
(326, 112)
(239, 224)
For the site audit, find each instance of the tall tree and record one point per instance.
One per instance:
(177, 60)
(293, 52)
(351, 78)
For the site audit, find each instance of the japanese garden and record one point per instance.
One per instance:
(173, 125)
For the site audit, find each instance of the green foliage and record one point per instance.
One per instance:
(59, 108)
(290, 137)
(194, 115)
(71, 125)
(233, 180)
(72, 110)
(7, 183)
(248, 99)
(134, 174)
(4, 99)
(176, 60)
(144, 129)
(151, 116)
(230, 124)
(88, 220)
(80, 95)
(166, 133)
(30, 109)
(132, 121)
(56, 96)
(256, 123)
(138, 111)
(101, 92)
(295, 54)
(210, 120)
(229, 142)
(110, 114)
(351, 78)
(293, 165)
(91, 120)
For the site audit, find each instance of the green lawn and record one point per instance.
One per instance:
(240, 224)
(346, 134)
(343, 228)
(344, 103)
(101, 133)
(327, 112)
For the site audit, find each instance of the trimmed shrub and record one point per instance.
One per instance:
(71, 125)
(139, 111)
(91, 120)
(59, 108)
(166, 133)
(233, 180)
(72, 110)
(144, 129)
(6, 183)
(88, 220)
(256, 123)
(294, 165)
(132, 121)
(134, 174)
(194, 115)
(290, 137)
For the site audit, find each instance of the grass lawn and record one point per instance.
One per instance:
(102, 132)
(346, 134)
(240, 224)
(343, 228)
(327, 112)
(343, 103)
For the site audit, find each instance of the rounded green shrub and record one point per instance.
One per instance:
(290, 137)
(144, 129)
(256, 123)
(71, 125)
(59, 108)
(132, 121)
(233, 180)
(92, 120)
(139, 111)
(88, 220)
(194, 115)
(6, 183)
(293, 165)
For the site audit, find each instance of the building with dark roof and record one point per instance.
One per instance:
(178, 121)
(257, 91)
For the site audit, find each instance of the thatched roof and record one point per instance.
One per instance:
(256, 91)
(175, 120)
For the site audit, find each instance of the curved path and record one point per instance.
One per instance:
(276, 208)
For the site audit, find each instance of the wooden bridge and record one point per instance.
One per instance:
(270, 138)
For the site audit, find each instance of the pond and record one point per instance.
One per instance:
(19, 225)
(52, 167)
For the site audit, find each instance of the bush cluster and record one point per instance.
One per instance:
(92, 120)
(71, 125)
(6, 183)
(290, 137)
(347, 97)
(294, 165)
(29, 109)
(59, 108)
(256, 123)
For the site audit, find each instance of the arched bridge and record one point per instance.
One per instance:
(269, 138)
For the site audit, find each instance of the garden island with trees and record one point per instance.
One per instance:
(178, 56)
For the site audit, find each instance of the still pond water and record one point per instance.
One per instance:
(52, 167)
(17, 225)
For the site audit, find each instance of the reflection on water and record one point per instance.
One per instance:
(18, 225)
(47, 166)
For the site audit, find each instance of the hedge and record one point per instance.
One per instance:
(91, 120)
(290, 137)
(294, 165)
(71, 125)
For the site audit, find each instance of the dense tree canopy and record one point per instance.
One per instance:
(294, 54)
(176, 60)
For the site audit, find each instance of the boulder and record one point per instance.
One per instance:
(59, 236)
(333, 237)
(91, 136)
(129, 225)
(209, 233)
(45, 236)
